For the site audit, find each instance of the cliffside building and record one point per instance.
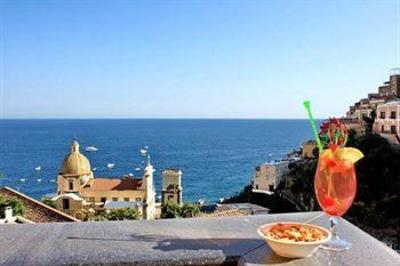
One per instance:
(388, 91)
(268, 175)
(392, 87)
(307, 149)
(387, 122)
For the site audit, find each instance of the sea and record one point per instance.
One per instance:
(217, 156)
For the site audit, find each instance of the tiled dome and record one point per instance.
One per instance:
(75, 164)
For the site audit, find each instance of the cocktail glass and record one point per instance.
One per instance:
(335, 182)
(335, 187)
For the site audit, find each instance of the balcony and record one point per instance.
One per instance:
(211, 241)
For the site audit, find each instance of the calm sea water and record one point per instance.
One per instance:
(217, 157)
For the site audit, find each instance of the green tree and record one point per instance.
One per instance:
(190, 210)
(49, 202)
(353, 139)
(171, 210)
(174, 210)
(301, 187)
(13, 202)
(122, 214)
(369, 122)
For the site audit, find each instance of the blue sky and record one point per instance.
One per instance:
(193, 59)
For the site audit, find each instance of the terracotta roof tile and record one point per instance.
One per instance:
(102, 184)
(36, 211)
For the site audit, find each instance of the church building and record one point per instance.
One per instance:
(78, 188)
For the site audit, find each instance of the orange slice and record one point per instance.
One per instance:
(348, 154)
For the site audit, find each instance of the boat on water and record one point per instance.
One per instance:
(110, 165)
(200, 202)
(38, 168)
(221, 200)
(52, 180)
(94, 169)
(22, 179)
(143, 151)
(91, 149)
(39, 180)
(130, 174)
(137, 169)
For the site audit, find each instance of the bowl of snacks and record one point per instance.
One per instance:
(294, 240)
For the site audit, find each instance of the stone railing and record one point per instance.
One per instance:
(196, 241)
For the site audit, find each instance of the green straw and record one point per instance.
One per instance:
(307, 105)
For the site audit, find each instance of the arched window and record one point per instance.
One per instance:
(71, 184)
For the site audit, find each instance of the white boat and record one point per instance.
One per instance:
(52, 180)
(200, 202)
(143, 151)
(221, 200)
(110, 165)
(137, 169)
(22, 180)
(91, 149)
(130, 174)
(38, 168)
(94, 169)
(39, 180)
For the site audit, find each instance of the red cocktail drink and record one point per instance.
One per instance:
(335, 185)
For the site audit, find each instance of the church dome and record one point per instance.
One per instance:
(75, 164)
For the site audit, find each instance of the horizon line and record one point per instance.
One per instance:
(153, 118)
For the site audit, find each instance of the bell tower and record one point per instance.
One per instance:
(150, 194)
(171, 186)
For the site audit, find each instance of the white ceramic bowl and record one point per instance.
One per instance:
(293, 249)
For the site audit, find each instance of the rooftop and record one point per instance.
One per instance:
(122, 204)
(103, 184)
(210, 241)
(35, 211)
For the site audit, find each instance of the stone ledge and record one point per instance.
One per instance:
(197, 241)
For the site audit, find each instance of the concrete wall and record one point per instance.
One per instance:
(120, 195)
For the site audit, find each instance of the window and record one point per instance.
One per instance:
(382, 115)
(71, 185)
(393, 129)
(383, 128)
(91, 199)
(65, 203)
(393, 115)
(256, 186)
(271, 187)
(126, 199)
(114, 199)
(138, 199)
(103, 199)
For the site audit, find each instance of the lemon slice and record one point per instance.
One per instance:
(348, 154)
